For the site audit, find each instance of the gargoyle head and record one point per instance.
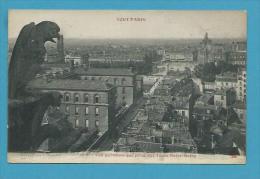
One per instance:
(49, 30)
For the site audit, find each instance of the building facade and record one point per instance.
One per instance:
(88, 104)
(226, 80)
(241, 85)
(224, 97)
(237, 58)
(123, 79)
(74, 60)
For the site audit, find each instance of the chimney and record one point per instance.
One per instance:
(60, 48)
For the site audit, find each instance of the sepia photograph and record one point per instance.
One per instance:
(127, 86)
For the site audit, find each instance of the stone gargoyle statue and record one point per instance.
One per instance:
(26, 109)
(28, 55)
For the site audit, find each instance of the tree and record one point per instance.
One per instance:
(148, 64)
(206, 72)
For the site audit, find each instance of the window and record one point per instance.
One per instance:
(100, 78)
(96, 99)
(183, 113)
(96, 111)
(86, 123)
(86, 98)
(67, 97)
(123, 81)
(123, 90)
(92, 78)
(76, 97)
(76, 122)
(226, 84)
(67, 109)
(96, 123)
(76, 110)
(115, 81)
(86, 110)
(222, 97)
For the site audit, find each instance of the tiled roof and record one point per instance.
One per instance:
(104, 71)
(60, 84)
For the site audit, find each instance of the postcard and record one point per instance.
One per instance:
(127, 86)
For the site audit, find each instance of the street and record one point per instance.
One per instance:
(124, 120)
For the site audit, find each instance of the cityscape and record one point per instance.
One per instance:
(140, 95)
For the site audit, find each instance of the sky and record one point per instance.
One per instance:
(156, 24)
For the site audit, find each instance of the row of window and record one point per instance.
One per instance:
(86, 123)
(67, 97)
(67, 109)
(116, 81)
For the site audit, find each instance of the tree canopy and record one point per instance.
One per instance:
(208, 71)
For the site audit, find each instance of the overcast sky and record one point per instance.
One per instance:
(157, 24)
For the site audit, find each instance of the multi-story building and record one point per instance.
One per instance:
(184, 55)
(238, 46)
(226, 80)
(181, 107)
(208, 86)
(241, 85)
(123, 79)
(209, 52)
(88, 104)
(75, 60)
(201, 116)
(237, 58)
(224, 97)
(217, 53)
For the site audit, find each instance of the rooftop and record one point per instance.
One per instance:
(104, 71)
(228, 76)
(55, 65)
(67, 84)
(205, 98)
